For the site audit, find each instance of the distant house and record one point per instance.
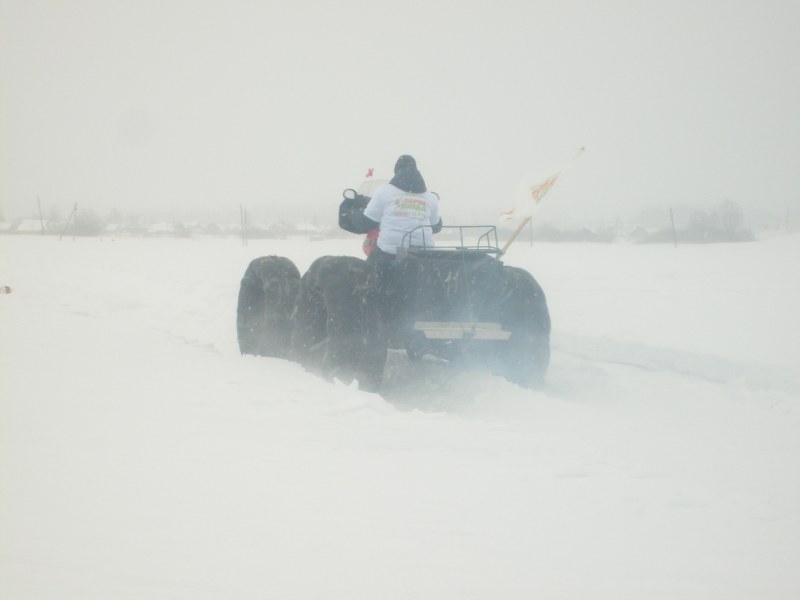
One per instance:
(212, 229)
(160, 229)
(314, 232)
(31, 226)
(307, 228)
(277, 230)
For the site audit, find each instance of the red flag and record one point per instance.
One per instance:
(369, 172)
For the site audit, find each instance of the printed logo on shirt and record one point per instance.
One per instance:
(411, 207)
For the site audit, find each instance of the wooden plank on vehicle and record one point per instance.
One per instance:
(458, 330)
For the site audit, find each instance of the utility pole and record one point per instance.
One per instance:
(41, 216)
(72, 215)
(674, 235)
(243, 220)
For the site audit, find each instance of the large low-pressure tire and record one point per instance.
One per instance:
(267, 298)
(333, 317)
(525, 357)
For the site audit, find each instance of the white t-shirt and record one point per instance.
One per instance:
(399, 212)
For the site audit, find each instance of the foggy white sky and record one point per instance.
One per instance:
(200, 106)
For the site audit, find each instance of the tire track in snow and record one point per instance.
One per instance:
(713, 369)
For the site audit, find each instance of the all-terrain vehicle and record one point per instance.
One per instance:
(456, 301)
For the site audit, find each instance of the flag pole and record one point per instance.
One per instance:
(538, 192)
(514, 235)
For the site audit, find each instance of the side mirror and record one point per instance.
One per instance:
(349, 194)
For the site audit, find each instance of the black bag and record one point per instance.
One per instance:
(350, 207)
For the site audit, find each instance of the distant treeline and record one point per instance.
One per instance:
(723, 224)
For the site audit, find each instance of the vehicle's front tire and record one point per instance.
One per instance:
(267, 297)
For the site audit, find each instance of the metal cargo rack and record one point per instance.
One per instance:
(455, 238)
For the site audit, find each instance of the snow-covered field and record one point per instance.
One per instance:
(141, 457)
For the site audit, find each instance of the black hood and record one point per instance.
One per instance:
(407, 177)
(409, 180)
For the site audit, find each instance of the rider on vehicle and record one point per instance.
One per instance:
(406, 214)
(398, 207)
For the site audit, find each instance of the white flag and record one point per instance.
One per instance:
(529, 195)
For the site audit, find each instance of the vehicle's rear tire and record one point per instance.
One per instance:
(525, 357)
